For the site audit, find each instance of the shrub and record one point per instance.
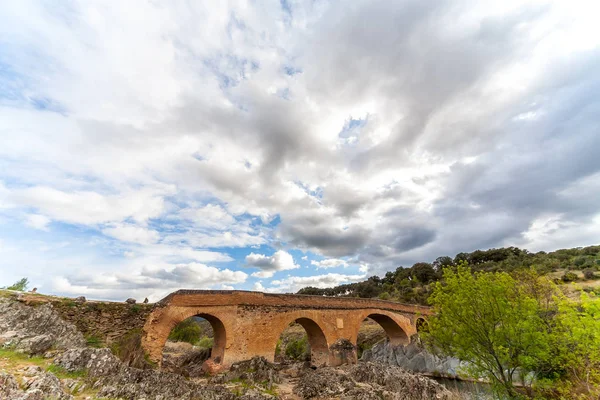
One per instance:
(580, 261)
(205, 342)
(186, 331)
(589, 273)
(569, 277)
(298, 349)
(385, 296)
(20, 285)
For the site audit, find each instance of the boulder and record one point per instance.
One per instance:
(43, 385)
(80, 299)
(9, 388)
(37, 344)
(257, 370)
(130, 301)
(97, 362)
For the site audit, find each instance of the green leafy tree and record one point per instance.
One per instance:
(495, 323)
(576, 342)
(20, 285)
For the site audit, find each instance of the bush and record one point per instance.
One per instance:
(205, 342)
(385, 296)
(580, 261)
(186, 331)
(298, 349)
(569, 277)
(20, 285)
(589, 273)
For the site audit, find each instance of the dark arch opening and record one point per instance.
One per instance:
(394, 332)
(193, 341)
(310, 345)
(370, 333)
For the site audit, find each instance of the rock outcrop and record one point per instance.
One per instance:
(96, 362)
(412, 357)
(255, 371)
(367, 381)
(37, 385)
(34, 330)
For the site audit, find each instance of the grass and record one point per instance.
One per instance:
(62, 373)
(94, 341)
(14, 357)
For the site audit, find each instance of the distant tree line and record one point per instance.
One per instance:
(414, 284)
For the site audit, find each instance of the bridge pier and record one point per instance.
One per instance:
(248, 324)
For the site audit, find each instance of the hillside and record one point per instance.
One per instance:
(576, 268)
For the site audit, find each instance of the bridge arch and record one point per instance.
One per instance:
(319, 349)
(398, 328)
(162, 321)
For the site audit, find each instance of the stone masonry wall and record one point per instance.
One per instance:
(100, 322)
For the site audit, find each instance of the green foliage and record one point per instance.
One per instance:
(298, 349)
(94, 341)
(384, 296)
(517, 331)
(569, 277)
(494, 322)
(205, 342)
(62, 373)
(135, 309)
(576, 344)
(20, 285)
(414, 284)
(186, 331)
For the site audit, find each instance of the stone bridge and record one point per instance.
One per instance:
(247, 324)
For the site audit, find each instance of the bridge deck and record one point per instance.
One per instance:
(196, 298)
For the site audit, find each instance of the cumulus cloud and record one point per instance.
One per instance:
(148, 282)
(281, 260)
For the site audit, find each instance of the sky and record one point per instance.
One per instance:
(149, 146)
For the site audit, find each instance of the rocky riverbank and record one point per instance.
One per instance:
(44, 356)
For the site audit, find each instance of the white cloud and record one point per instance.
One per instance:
(258, 287)
(133, 234)
(329, 263)
(147, 282)
(38, 221)
(281, 260)
(89, 208)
